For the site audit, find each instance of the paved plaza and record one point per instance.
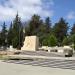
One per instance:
(51, 63)
(20, 69)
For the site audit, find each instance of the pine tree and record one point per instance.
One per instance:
(4, 35)
(73, 30)
(66, 41)
(60, 30)
(48, 25)
(50, 40)
(10, 35)
(17, 33)
(38, 27)
(33, 27)
(73, 40)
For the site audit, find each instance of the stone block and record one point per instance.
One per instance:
(31, 43)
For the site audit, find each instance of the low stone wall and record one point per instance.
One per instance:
(6, 53)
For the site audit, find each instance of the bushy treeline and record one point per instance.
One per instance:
(49, 35)
(13, 36)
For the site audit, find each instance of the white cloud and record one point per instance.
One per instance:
(71, 15)
(26, 8)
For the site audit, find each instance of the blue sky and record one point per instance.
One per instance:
(55, 9)
(64, 8)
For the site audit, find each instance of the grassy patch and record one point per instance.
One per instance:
(3, 57)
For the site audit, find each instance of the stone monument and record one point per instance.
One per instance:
(31, 43)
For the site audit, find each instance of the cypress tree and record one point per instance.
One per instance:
(17, 33)
(10, 35)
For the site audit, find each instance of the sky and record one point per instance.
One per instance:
(55, 9)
